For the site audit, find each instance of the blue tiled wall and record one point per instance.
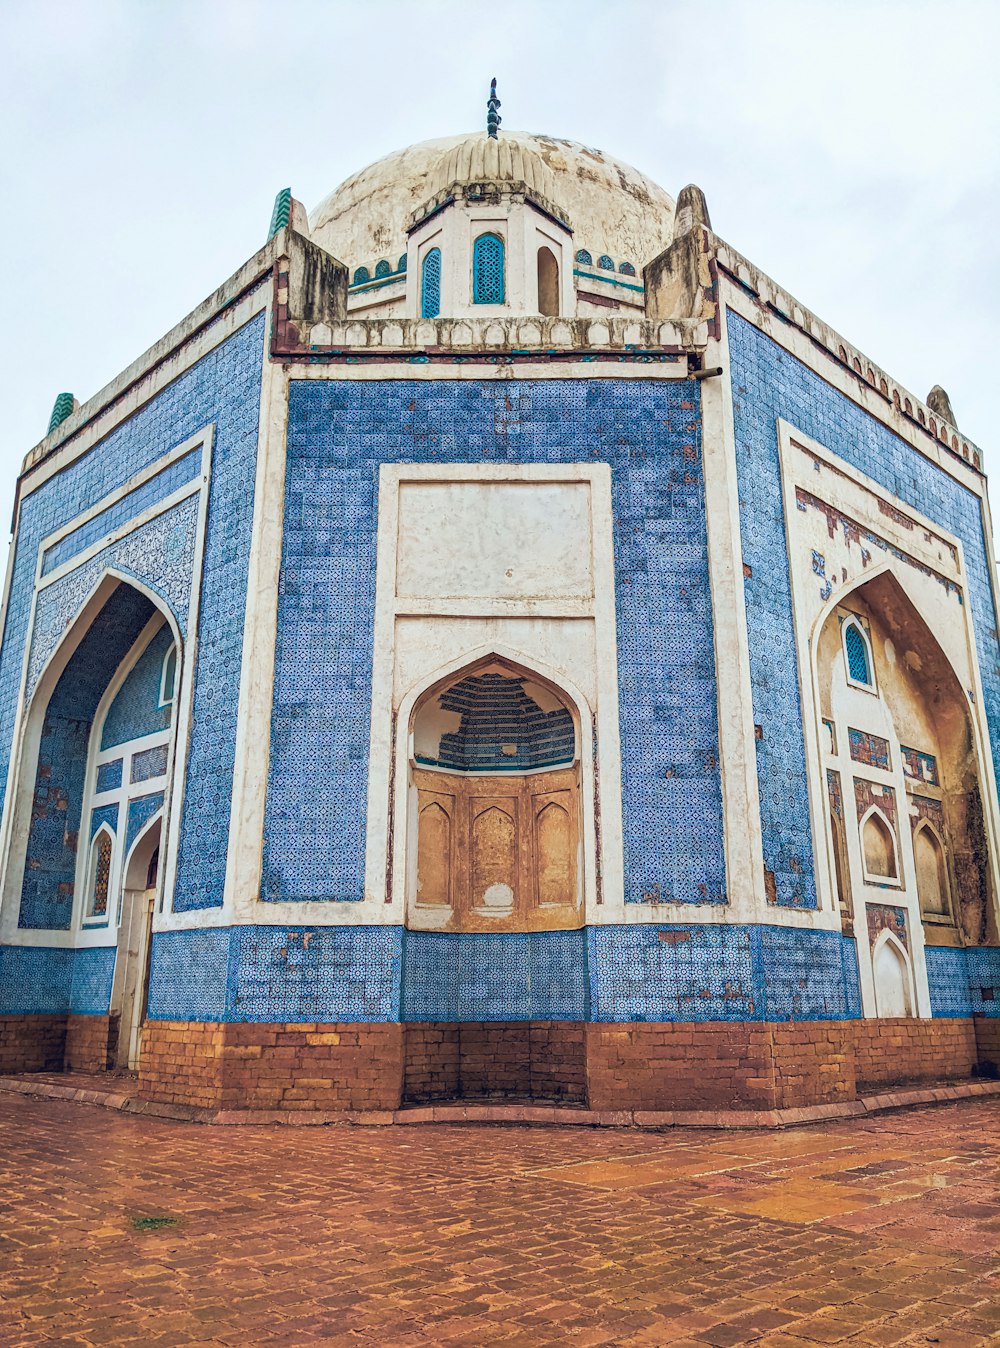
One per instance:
(47, 888)
(617, 973)
(136, 709)
(90, 987)
(259, 973)
(338, 435)
(124, 510)
(721, 972)
(524, 976)
(140, 812)
(964, 982)
(224, 389)
(35, 980)
(769, 383)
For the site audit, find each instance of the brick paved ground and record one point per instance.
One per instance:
(883, 1231)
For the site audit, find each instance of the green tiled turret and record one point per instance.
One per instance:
(65, 403)
(282, 211)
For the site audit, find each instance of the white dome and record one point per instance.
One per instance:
(612, 208)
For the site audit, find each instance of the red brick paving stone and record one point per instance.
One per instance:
(446, 1234)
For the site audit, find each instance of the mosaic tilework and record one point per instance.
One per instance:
(149, 764)
(47, 890)
(109, 776)
(264, 973)
(513, 976)
(158, 487)
(958, 980)
(768, 383)
(721, 973)
(106, 814)
(90, 986)
(338, 435)
(140, 812)
(382, 973)
(502, 729)
(872, 750)
(34, 980)
(884, 917)
(223, 388)
(919, 767)
(136, 709)
(160, 554)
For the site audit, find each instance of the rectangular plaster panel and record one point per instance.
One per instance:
(508, 540)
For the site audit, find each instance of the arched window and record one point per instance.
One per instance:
(584, 258)
(487, 270)
(932, 873)
(168, 677)
(626, 269)
(401, 265)
(605, 263)
(858, 653)
(430, 284)
(100, 872)
(361, 275)
(383, 268)
(548, 283)
(879, 847)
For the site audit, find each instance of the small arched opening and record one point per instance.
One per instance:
(891, 974)
(932, 874)
(878, 847)
(548, 283)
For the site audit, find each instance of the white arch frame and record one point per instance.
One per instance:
(25, 743)
(401, 849)
(170, 654)
(942, 919)
(896, 880)
(886, 938)
(855, 623)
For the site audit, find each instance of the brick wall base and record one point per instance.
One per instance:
(91, 1042)
(637, 1066)
(352, 1067)
(32, 1043)
(495, 1060)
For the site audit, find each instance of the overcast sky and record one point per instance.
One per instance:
(849, 149)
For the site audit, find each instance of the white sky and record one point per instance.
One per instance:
(848, 147)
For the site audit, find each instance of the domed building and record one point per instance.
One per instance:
(501, 647)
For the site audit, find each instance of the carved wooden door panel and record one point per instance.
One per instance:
(498, 853)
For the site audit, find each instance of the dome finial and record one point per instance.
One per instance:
(493, 118)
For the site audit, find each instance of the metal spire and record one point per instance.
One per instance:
(493, 118)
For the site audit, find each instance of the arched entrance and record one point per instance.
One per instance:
(496, 811)
(131, 983)
(907, 839)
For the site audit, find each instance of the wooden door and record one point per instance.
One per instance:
(499, 853)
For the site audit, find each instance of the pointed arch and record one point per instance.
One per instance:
(893, 978)
(879, 852)
(73, 690)
(547, 269)
(99, 863)
(489, 282)
(430, 284)
(930, 862)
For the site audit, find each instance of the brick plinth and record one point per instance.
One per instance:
(987, 1031)
(495, 1060)
(32, 1043)
(354, 1067)
(894, 1052)
(642, 1066)
(90, 1043)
